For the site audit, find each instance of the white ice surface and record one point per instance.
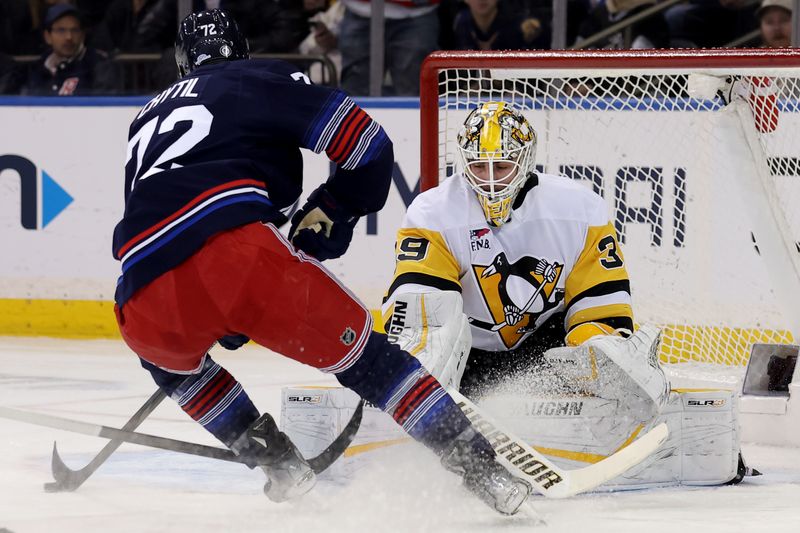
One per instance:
(144, 490)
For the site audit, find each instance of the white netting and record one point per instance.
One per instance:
(677, 155)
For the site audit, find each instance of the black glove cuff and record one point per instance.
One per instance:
(321, 197)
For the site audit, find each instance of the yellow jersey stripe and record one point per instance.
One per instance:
(594, 314)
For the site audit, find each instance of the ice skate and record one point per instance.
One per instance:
(288, 473)
(484, 476)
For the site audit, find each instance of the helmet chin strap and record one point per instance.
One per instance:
(531, 181)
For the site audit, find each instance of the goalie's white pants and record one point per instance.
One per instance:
(702, 448)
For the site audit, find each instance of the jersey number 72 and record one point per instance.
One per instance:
(199, 117)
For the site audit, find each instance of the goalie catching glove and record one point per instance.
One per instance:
(322, 228)
(624, 370)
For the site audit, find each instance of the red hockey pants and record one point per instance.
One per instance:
(247, 280)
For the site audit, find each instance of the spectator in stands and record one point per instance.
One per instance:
(411, 32)
(775, 23)
(494, 25)
(69, 68)
(141, 27)
(92, 13)
(138, 26)
(323, 39)
(652, 32)
(21, 25)
(271, 26)
(709, 23)
(447, 11)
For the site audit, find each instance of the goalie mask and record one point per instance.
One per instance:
(497, 147)
(208, 37)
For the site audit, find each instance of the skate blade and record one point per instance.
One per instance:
(531, 515)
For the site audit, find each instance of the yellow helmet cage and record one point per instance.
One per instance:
(497, 148)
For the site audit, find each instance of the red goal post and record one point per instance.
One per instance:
(697, 153)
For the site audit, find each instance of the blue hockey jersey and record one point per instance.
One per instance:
(221, 148)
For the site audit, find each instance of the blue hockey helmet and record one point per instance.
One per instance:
(208, 37)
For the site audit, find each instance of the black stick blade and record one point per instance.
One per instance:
(330, 454)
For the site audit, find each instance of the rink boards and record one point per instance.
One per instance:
(57, 274)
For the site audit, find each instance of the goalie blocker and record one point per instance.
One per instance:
(573, 429)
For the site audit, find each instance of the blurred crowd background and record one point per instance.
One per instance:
(124, 47)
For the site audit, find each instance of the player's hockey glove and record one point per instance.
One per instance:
(322, 228)
(233, 342)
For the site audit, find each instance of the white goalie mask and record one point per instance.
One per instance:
(498, 148)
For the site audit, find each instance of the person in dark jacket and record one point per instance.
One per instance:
(273, 26)
(69, 68)
(140, 26)
(652, 32)
(496, 25)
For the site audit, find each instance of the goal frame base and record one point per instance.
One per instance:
(770, 417)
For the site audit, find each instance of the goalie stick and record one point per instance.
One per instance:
(68, 480)
(546, 478)
(318, 463)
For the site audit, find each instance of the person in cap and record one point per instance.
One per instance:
(775, 23)
(69, 67)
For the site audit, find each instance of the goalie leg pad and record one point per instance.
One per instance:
(433, 328)
(312, 417)
(703, 443)
(702, 448)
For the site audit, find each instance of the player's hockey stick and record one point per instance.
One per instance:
(68, 480)
(319, 463)
(547, 478)
(329, 455)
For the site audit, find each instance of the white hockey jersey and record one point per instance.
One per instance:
(559, 252)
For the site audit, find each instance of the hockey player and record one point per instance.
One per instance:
(496, 265)
(213, 164)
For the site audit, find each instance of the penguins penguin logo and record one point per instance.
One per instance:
(516, 294)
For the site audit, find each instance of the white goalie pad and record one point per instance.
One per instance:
(433, 328)
(608, 391)
(702, 448)
(314, 416)
(574, 431)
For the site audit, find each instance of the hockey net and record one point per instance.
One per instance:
(697, 154)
